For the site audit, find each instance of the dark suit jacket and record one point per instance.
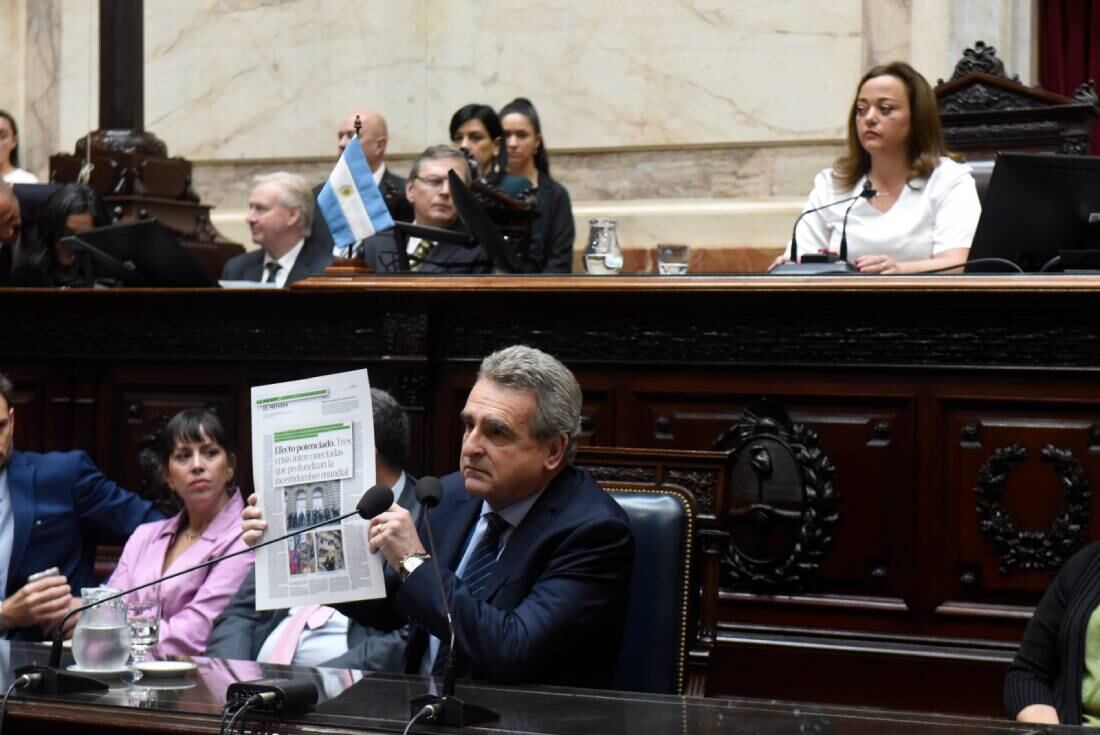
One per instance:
(380, 253)
(553, 233)
(63, 506)
(320, 232)
(240, 630)
(312, 261)
(555, 604)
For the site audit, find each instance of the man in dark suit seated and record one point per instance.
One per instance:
(54, 507)
(373, 136)
(330, 639)
(535, 556)
(429, 193)
(280, 214)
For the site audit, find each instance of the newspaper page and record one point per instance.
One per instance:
(312, 460)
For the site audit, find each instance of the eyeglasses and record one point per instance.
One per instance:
(432, 182)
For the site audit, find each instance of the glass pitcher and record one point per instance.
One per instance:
(603, 256)
(101, 641)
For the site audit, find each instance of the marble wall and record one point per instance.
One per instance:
(698, 99)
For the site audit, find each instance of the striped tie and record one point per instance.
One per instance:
(476, 575)
(420, 254)
(484, 558)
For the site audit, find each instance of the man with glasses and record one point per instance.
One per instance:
(429, 193)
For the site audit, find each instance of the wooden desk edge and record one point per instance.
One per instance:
(705, 283)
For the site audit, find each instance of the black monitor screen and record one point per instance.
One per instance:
(1037, 206)
(140, 253)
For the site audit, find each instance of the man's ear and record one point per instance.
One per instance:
(555, 454)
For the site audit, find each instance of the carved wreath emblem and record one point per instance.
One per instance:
(784, 506)
(1046, 549)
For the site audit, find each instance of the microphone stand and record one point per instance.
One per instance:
(823, 263)
(447, 710)
(56, 680)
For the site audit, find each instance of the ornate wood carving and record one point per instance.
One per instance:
(606, 473)
(982, 59)
(782, 508)
(701, 484)
(1031, 550)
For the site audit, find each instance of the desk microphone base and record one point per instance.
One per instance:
(56, 681)
(820, 268)
(452, 711)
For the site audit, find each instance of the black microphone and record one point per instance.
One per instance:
(447, 710)
(867, 193)
(56, 680)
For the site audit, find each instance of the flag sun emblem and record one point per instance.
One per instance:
(346, 190)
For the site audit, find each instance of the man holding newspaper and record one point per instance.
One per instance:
(535, 557)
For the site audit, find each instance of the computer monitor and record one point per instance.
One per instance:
(1039, 206)
(141, 253)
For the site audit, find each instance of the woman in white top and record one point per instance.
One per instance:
(925, 208)
(9, 153)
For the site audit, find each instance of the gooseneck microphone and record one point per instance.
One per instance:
(447, 710)
(867, 193)
(56, 680)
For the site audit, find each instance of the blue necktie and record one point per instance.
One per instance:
(476, 576)
(484, 558)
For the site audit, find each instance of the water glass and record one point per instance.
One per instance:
(143, 618)
(672, 260)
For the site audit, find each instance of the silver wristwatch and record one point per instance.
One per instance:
(409, 563)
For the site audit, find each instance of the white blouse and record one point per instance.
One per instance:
(929, 216)
(19, 176)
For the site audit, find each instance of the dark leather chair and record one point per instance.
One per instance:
(657, 635)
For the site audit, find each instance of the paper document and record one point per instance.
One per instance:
(312, 460)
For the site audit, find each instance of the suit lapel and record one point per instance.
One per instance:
(525, 538)
(21, 491)
(255, 269)
(459, 522)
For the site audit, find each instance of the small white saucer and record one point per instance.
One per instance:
(98, 673)
(164, 668)
(164, 684)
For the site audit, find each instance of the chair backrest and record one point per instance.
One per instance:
(656, 640)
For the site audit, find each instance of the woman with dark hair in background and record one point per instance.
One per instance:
(476, 129)
(924, 209)
(9, 153)
(72, 209)
(553, 233)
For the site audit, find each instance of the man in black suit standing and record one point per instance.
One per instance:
(280, 214)
(429, 192)
(373, 136)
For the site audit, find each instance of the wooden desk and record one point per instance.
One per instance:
(378, 703)
(915, 386)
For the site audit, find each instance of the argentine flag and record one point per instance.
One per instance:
(350, 201)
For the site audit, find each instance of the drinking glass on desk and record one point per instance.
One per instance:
(672, 260)
(144, 621)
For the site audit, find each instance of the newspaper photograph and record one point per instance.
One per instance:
(312, 460)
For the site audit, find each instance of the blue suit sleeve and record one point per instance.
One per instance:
(106, 506)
